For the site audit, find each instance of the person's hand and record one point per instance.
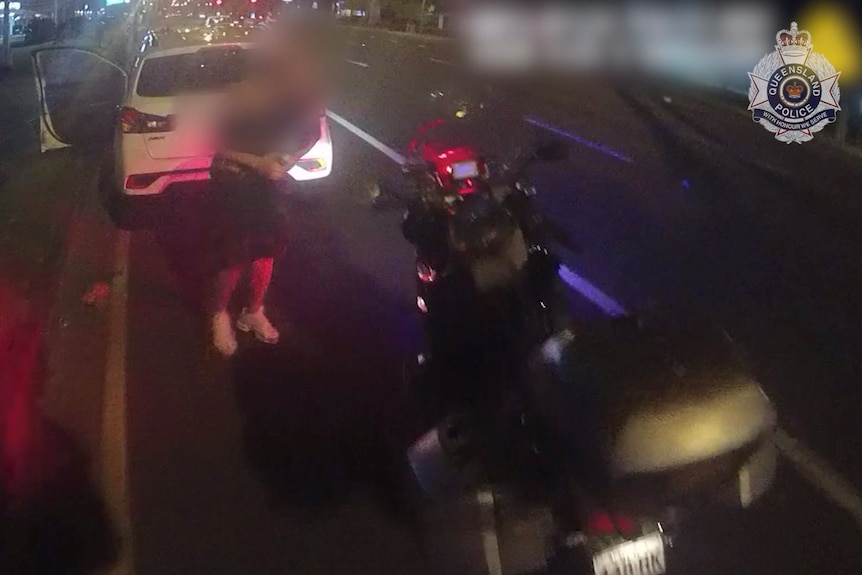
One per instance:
(272, 166)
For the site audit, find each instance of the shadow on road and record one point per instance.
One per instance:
(322, 410)
(312, 441)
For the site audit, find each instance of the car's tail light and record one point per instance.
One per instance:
(134, 122)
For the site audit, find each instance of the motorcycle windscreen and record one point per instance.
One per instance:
(79, 95)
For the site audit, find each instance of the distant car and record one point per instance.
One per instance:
(163, 136)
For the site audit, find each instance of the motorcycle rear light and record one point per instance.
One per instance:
(134, 122)
(426, 273)
(141, 181)
(603, 523)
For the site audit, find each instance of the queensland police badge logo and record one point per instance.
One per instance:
(794, 91)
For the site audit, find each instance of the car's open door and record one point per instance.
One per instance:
(80, 92)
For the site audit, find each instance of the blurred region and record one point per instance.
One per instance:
(656, 44)
(696, 40)
(714, 42)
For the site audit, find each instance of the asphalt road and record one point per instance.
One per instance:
(278, 461)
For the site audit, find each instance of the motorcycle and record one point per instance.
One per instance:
(486, 279)
(628, 430)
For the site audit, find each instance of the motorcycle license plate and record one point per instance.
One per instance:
(643, 556)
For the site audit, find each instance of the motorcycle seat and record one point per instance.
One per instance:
(634, 402)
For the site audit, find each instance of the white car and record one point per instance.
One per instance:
(164, 133)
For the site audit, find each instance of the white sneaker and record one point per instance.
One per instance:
(259, 324)
(224, 338)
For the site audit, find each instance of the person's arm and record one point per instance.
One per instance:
(272, 166)
(250, 161)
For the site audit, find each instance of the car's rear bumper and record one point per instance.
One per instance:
(139, 174)
(315, 165)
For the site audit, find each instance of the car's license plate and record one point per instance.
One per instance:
(643, 556)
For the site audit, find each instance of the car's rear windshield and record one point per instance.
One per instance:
(207, 70)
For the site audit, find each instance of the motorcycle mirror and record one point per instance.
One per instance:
(552, 151)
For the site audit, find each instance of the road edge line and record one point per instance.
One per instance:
(114, 436)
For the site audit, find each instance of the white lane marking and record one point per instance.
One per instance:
(374, 142)
(444, 62)
(421, 46)
(806, 461)
(599, 298)
(115, 480)
(490, 544)
(363, 64)
(394, 41)
(583, 141)
(820, 474)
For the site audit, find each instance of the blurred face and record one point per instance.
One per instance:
(286, 67)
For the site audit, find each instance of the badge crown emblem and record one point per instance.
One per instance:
(794, 90)
(793, 42)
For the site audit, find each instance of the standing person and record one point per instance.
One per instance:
(272, 119)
